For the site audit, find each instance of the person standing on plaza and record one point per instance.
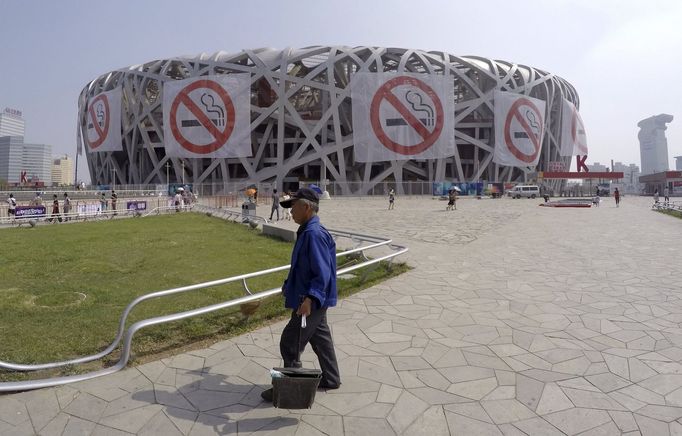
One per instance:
(114, 199)
(103, 203)
(391, 199)
(666, 194)
(616, 196)
(11, 206)
(275, 204)
(37, 200)
(67, 207)
(656, 196)
(309, 290)
(177, 200)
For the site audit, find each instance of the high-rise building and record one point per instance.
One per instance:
(11, 149)
(11, 123)
(16, 156)
(62, 171)
(653, 146)
(678, 163)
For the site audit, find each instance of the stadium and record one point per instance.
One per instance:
(299, 125)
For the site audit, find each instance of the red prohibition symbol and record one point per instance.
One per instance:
(515, 112)
(101, 132)
(220, 137)
(385, 93)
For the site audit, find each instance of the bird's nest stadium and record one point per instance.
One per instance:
(301, 123)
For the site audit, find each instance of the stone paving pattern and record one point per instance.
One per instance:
(516, 320)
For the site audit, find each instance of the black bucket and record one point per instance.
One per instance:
(296, 389)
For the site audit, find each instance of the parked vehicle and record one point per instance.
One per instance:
(527, 191)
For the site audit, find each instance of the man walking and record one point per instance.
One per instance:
(309, 290)
(67, 207)
(275, 204)
(11, 206)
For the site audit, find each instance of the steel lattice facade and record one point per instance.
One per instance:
(301, 124)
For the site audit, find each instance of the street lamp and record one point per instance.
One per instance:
(183, 173)
(113, 178)
(167, 168)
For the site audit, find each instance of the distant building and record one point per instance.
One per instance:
(597, 167)
(629, 184)
(62, 171)
(678, 163)
(653, 146)
(11, 123)
(11, 149)
(17, 156)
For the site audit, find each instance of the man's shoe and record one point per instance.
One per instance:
(267, 395)
(328, 386)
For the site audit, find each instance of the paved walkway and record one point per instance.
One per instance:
(516, 320)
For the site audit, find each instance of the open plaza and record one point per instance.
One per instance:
(515, 319)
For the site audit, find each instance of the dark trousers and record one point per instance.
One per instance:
(319, 335)
(273, 210)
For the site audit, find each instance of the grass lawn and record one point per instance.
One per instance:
(675, 213)
(65, 286)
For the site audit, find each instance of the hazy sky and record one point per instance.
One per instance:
(623, 56)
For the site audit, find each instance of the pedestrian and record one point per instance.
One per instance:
(177, 200)
(54, 217)
(287, 210)
(391, 199)
(103, 203)
(114, 198)
(656, 196)
(666, 194)
(616, 196)
(452, 200)
(67, 207)
(275, 204)
(187, 197)
(309, 290)
(12, 206)
(37, 200)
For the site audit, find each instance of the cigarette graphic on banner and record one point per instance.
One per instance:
(519, 129)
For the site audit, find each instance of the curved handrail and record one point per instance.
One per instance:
(127, 342)
(158, 294)
(357, 238)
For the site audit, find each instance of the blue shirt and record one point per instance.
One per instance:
(313, 267)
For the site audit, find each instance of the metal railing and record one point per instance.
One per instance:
(361, 243)
(667, 205)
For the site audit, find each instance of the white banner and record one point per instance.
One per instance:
(208, 116)
(519, 129)
(402, 116)
(573, 138)
(103, 122)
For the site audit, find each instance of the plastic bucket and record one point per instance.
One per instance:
(296, 389)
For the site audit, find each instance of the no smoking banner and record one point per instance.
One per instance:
(573, 136)
(207, 117)
(402, 116)
(103, 122)
(519, 129)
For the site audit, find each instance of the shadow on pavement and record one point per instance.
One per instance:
(224, 404)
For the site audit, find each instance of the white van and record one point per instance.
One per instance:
(528, 191)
